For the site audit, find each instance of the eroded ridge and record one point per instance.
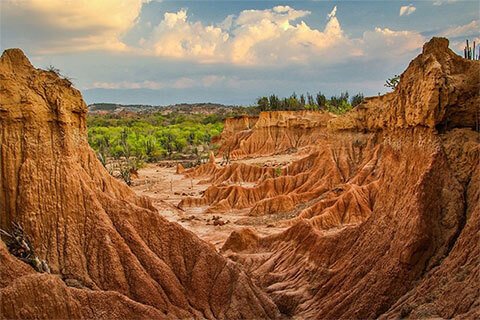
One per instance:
(111, 254)
(385, 200)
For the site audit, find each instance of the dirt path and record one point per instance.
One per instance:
(163, 184)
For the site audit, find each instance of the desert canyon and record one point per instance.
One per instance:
(370, 214)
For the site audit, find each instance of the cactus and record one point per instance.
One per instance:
(470, 52)
(150, 147)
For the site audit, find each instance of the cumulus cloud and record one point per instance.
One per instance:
(252, 37)
(407, 10)
(274, 36)
(176, 37)
(59, 25)
(270, 36)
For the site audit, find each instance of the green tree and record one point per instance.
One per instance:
(150, 148)
(263, 104)
(274, 102)
(321, 100)
(302, 101)
(311, 101)
(357, 99)
(168, 142)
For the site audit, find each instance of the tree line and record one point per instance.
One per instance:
(337, 104)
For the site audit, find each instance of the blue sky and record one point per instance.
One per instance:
(164, 52)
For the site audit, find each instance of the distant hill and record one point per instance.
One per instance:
(189, 108)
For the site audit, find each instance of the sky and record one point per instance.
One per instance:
(232, 52)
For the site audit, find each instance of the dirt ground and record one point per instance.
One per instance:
(163, 184)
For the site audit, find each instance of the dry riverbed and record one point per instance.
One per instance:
(163, 184)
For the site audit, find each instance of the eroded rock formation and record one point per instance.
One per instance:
(272, 133)
(439, 90)
(386, 205)
(110, 253)
(387, 202)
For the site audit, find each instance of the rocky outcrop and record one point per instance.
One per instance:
(110, 253)
(439, 90)
(272, 132)
(235, 125)
(387, 204)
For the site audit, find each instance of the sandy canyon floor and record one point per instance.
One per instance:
(162, 183)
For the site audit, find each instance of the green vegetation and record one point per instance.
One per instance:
(278, 171)
(56, 71)
(336, 104)
(392, 82)
(151, 136)
(124, 140)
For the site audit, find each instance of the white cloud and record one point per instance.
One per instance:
(128, 85)
(271, 36)
(442, 2)
(469, 29)
(234, 40)
(76, 25)
(276, 36)
(179, 83)
(183, 83)
(263, 36)
(176, 37)
(252, 37)
(387, 42)
(210, 80)
(407, 10)
(332, 13)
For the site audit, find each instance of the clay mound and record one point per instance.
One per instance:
(235, 130)
(397, 235)
(231, 174)
(273, 132)
(408, 234)
(245, 239)
(122, 257)
(348, 161)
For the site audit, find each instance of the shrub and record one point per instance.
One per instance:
(392, 82)
(19, 245)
